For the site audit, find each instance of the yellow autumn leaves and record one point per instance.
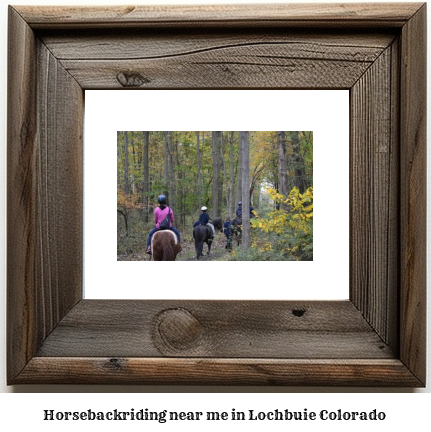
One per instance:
(291, 223)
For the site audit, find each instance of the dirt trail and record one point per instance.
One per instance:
(213, 256)
(218, 251)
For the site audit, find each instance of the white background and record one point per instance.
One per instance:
(324, 278)
(25, 410)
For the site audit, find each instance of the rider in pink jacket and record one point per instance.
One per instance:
(160, 214)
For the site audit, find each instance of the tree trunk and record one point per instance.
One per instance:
(119, 158)
(298, 164)
(224, 175)
(231, 208)
(238, 196)
(171, 193)
(132, 164)
(165, 162)
(126, 164)
(219, 180)
(215, 154)
(146, 136)
(178, 184)
(126, 222)
(199, 173)
(244, 150)
(255, 181)
(282, 164)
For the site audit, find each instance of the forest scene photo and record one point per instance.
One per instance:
(215, 195)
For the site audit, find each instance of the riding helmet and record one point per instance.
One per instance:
(161, 199)
(240, 203)
(204, 208)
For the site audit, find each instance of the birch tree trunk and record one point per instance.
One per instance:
(244, 150)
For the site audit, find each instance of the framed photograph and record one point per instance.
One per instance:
(376, 337)
(285, 249)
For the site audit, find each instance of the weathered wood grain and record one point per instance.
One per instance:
(235, 329)
(248, 66)
(253, 15)
(140, 44)
(374, 195)
(230, 72)
(21, 194)
(44, 193)
(413, 194)
(212, 60)
(59, 181)
(329, 372)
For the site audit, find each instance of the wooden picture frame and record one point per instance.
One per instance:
(376, 338)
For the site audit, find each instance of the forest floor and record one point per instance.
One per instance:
(188, 253)
(218, 250)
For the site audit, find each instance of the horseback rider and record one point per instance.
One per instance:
(204, 219)
(239, 211)
(160, 214)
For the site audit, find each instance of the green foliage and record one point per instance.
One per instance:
(264, 247)
(292, 226)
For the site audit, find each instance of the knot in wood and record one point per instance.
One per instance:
(298, 312)
(131, 79)
(115, 363)
(178, 329)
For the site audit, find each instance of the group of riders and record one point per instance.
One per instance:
(164, 219)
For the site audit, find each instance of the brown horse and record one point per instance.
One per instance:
(164, 246)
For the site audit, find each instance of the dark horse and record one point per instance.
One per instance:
(217, 224)
(237, 230)
(201, 234)
(164, 246)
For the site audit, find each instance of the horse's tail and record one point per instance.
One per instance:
(168, 250)
(199, 235)
(200, 247)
